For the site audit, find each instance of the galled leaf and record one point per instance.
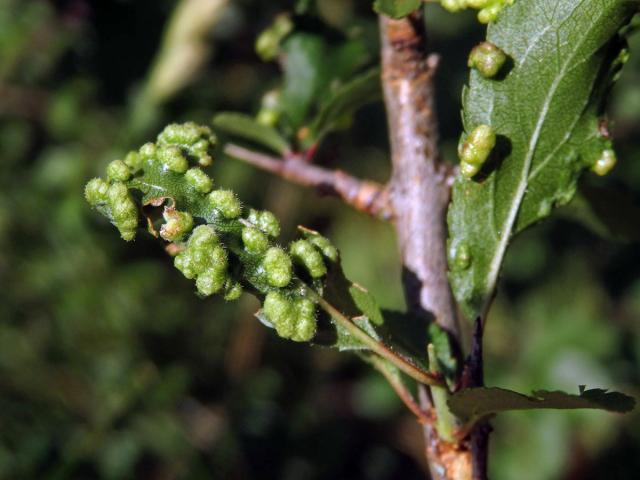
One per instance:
(544, 108)
(473, 404)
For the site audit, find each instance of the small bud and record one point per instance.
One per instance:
(199, 180)
(173, 159)
(96, 191)
(605, 163)
(124, 213)
(306, 325)
(487, 59)
(268, 42)
(278, 267)
(118, 171)
(254, 240)
(279, 310)
(226, 202)
(478, 146)
(177, 224)
(305, 253)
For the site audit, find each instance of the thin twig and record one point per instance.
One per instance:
(364, 195)
(376, 346)
(401, 389)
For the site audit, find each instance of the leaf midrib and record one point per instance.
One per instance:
(500, 251)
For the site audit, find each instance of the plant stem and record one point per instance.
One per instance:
(420, 190)
(374, 345)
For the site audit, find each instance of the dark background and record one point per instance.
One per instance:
(111, 367)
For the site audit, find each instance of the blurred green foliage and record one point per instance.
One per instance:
(111, 367)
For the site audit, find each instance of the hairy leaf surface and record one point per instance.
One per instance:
(544, 108)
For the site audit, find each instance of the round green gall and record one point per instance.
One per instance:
(177, 225)
(605, 163)
(226, 202)
(254, 240)
(490, 13)
(265, 221)
(210, 282)
(279, 310)
(96, 191)
(478, 146)
(118, 171)
(478, 3)
(305, 253)
(184, 262)
(173, 159)
(203, 237)
(454, 5)
(487, 59)
(148, 151)
(199, 180)
(305, 322)
(278, 267)
(134, 161)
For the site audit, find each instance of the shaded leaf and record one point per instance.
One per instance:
(545, 112)
(473, 404)
(396, 8)
(245, 127)
(345, 101)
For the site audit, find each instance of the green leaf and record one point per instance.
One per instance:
(245, 127)
(473, 404)
(396, 8)
(545, 112)
(305, 74)
(345, 101)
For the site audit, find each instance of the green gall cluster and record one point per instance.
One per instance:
(226, 202)
(254, 240)
(278, 267)
(199, 180)
(268, 42)
(488, 10)
(293, 318)
(305, 253)
(487, 59)
(177, 224)
(205, 260)
(605, 163)
(194, 140)
(476, 149)
(265, 221)
(116, 203)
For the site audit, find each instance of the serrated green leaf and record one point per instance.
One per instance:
(245, 127)
(473, 404)
(396, 8)
(345, 101)
(545, 112)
